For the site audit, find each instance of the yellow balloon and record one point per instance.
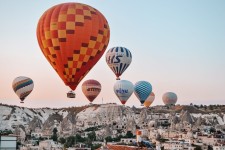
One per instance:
(149, 100)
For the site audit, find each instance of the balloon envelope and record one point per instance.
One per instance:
(123, 90)
(149, 100)
(118, 59)
(22, 86)
(91, 89)
(169, 98)
(142, 89)
(72, 37)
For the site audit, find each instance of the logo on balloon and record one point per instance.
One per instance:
(118, 59)
(122, 91)
(94, 89)
(114, 59)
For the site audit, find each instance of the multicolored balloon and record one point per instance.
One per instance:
(22, 86)
(169, 98)
(72, 37)
(91, 89)
(142, 89)
(149, 100)
(123, 90)
(118, 59)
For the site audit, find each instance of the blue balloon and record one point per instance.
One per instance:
(142, 90)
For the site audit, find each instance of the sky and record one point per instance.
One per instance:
(177, 46)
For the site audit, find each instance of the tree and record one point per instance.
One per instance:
(210, 147)
(96, 146)
(70, 141)
(197, 147)
(55, 131)
(18, 144)
(92, 136)
(62, 140)
(129, 134)
(108, 139)
(196, 106)
(79, 138)
(212, 130)
(211, 107)
(54, 136)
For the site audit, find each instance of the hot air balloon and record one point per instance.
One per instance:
(91, 89)
(118, 59)
(123, 90)
(142, 89)
(149, 100)
(72, 37)
(22, 86)
(169, 98)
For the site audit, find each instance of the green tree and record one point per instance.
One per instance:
(41, 139)
(210, 147)
(54, 136)
(212, 130)
(197, 147)
(196, 106)
(211, 107)
(96, 146)
(92, 136)
(78, 138)
(108, 139)
(70, 141)
(55, 131)
(18, 144)
(129, 134)
(62, 140)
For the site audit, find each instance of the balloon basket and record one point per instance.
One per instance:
(117, 78)
(142, 104)
(71, 94)
(90, 103)
(22, 102)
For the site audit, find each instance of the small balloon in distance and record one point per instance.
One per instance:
(22, 86)
(91, 89)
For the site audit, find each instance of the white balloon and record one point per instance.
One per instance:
(118, 59)
(123, 90)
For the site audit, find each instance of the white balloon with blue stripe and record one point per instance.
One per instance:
(142, 90)
(118, 59)
(123, 90)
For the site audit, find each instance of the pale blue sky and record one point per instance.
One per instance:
(177, 46)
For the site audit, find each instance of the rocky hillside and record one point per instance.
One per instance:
(103, 116)
(12, 116)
